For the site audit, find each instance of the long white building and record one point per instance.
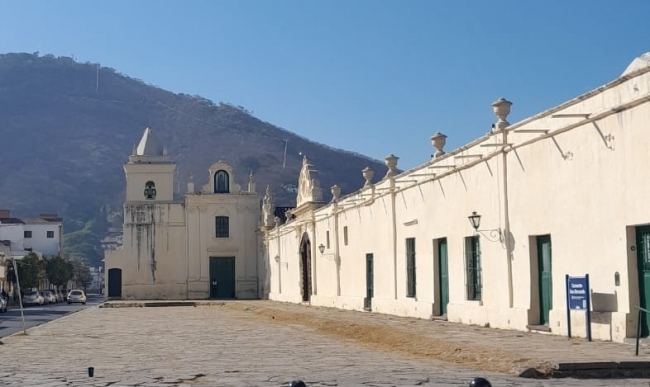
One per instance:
(564, 192)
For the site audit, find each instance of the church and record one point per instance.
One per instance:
(204, 245)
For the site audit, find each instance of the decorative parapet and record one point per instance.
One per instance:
(368, 174)
(251, 183)
(267, 208)
(336, 193)
(309, 189)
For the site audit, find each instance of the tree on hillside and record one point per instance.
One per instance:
(30, 270)
(59, 271)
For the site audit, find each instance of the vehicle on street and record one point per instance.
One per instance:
(3, 304)
(33, 298)
(50, 297)
(77, 296)
(59, 295)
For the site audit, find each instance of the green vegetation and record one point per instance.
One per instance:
(30, 271)
(59, 271)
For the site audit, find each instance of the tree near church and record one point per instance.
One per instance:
(59, 271)
(81, 273)
(30, 271)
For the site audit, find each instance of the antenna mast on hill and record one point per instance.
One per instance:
(284, 161)
(97, 87)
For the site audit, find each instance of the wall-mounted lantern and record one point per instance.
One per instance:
(494, 235)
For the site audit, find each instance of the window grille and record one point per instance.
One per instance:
(473, 265)
(222, 227)
(410, 267)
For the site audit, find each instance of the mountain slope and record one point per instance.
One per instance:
(66, 128)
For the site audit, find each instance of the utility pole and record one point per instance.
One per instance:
(20, 297)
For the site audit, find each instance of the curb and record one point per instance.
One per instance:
(603, 370)
(21, 333)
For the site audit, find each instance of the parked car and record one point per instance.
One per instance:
(59, 295)
(33, 298)
(50, 297)
(3, 304)
(77, 296)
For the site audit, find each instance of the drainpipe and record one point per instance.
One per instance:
(187, 255)
(279, 259)
(337, 258)
(314, 257)
(506, 220)
(393, 195)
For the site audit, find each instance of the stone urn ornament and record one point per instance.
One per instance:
(501, 109)
(438, 142)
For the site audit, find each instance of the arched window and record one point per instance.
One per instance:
(221, 182)
(150, 190)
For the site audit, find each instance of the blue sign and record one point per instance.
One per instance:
(578, 293)
(577, 298)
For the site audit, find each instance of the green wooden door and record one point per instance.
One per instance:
(443, 276)
(643, 257)
(222, 277)
(370, 281)
(545, 278)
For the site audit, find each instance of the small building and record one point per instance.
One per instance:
(487, 233)
(44, 234)
(204, 245)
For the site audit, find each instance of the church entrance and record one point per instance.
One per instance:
(114, 283)
(222, 277)
(305, 261)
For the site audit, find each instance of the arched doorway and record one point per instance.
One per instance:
(115, 283)
(305, 261)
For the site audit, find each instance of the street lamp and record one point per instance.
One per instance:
(494, 235)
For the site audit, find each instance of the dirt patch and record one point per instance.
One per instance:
(401, 340)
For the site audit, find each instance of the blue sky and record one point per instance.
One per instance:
(374, 77)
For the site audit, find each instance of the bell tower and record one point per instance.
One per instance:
(149, 172)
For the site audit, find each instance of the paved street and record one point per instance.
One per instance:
(226, 345)
(11, 321)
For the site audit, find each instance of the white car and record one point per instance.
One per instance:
(76, 296)
(33, 298)
(50, 297)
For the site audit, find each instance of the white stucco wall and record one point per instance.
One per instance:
(13, 233)
(575, 178)
(152, 258)
(39, 240)
(243, 213)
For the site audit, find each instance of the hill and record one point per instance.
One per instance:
(66, 128)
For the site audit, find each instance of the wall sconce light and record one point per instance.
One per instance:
(277, 258)
(493, 235)
(321, 248)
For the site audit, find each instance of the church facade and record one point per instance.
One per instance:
(204, 245)
(488, 233)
